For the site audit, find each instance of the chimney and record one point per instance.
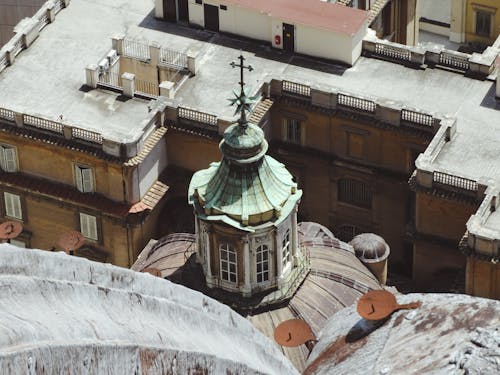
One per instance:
(373, 252)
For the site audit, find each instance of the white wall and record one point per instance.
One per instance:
(196, 13)
(357, 43)
(323, 43)
(240, 21)
(277, 29)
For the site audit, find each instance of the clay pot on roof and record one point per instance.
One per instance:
(373, 252)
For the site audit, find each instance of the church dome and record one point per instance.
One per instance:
(370, 248)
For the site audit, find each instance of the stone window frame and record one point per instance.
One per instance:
(225, 263)
(299, 131)
(486, 10)
(14, 161)
(263, 262)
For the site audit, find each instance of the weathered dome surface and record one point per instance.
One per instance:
(370, 247)
(448, 334)
(243, 144)
(247, 186)
(336, 279)
(63, 314)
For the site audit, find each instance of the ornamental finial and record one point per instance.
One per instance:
(242, 100)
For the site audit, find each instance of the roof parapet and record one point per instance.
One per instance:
(28, 30)
(430, 54)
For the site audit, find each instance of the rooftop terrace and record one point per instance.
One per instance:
(46, 81)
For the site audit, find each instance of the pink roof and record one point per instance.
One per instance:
(314, 13)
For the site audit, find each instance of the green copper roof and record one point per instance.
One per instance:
(247, 185)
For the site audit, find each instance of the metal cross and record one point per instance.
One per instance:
(243, 103)
(241, 66)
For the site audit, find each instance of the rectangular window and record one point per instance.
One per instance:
(228, 263)
(13, 206)
(483, 23)
(355, 192)
(292, 131)
(88, 226)
(84, 179)
(8, 158)
(285, 250)
(199, 1)
(223, 7)
(262, 263)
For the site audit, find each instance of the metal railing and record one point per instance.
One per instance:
(197, 116)
(455, 181)
(132, 48)
(109, 79)
(391, 51)
(357, 103)
(454, 60)
(43, 123)
(146, 88)
(416, 117)
(296, 88)
(171, 57)
(86, 135)
(7, 114)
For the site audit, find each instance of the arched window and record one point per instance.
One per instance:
(285, 249)
(262, 263)
(228, 263)
(347, 232)
(355, 192)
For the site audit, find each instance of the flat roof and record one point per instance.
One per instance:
(45, 80)
(313, 13)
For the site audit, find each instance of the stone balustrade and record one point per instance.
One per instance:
(29, 31)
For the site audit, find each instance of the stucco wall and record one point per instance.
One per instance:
(237, 20)
(196, 13)
(323, 43)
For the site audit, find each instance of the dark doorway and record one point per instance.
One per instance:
(169, 10)
(183, 10)
(211, 17)
(288, 37)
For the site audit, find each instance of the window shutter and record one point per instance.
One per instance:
(2, 158)
(78, 178)
(10, 160)
(88, 226)
(87, 180)
(13, 205)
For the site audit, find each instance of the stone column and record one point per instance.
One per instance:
(279, 254)
(128, 81)
(198, 240)
(207, 255)
(295, 238)
(51, 14)
(247, 289)
(159, 9)
(117, 43)
(154, 53)
(167, 89)
(192, 63)
(91, 75)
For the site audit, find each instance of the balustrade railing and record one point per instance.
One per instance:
(391, 51)
(196, 116)
(454, 61)
(6, 114)
(296, 88)
(18, 45)
(43, 21)
(86, 135)
(416, 117)
(455, 181)
(43, 123)
(58, 5)
(3, 61)
(356, 103)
